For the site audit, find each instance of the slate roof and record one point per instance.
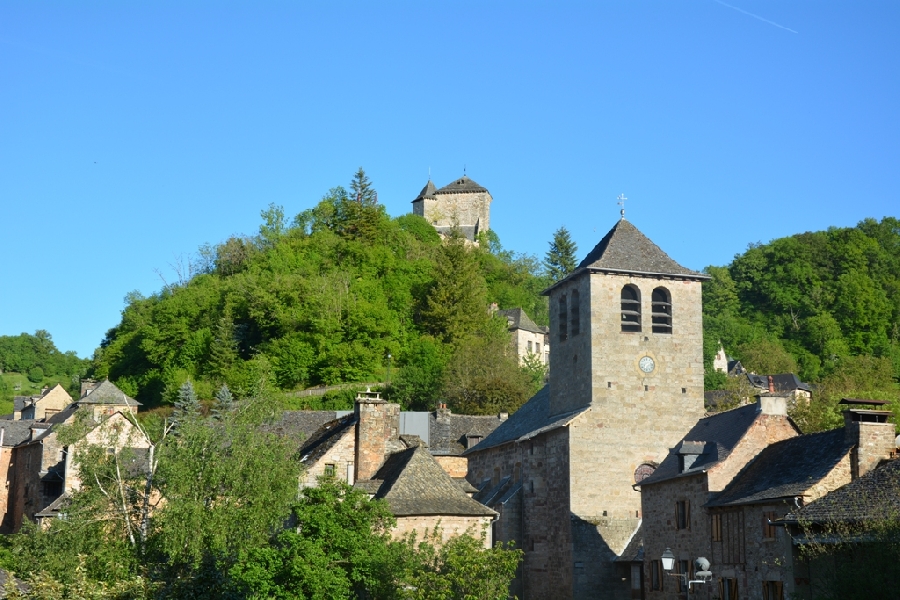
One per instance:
(20, 585)
(717, 434)
(784, 382)
(53, 509)
(20, 402)
(427, 191)
(461, 185)
(107, 393)
(626, 250)
(634, 551)
(873, 497)
(533, 418)
(325, 438)
(448, 431)
(62, 416)
(15, 432)
(413, 483)
(300, 424)
(518, 319)
(786, 469)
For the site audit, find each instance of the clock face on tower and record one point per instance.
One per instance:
(646, 364)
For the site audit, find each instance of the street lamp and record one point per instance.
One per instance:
(701, 564)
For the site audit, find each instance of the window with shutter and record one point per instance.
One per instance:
(631, 308)
(661, 310)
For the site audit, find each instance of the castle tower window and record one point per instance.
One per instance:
(575, 315)
(661, 303)
(631, 308)
(563, 319)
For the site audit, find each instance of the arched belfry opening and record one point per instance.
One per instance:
(661, 309)
(631, 308)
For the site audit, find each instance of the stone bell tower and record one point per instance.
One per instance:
(627, 334)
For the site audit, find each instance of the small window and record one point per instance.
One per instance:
(52, 489)
(728, 588)
(769, 529)
(716, 527)
(631, 308)
(329, 470)
(529, 347)
(655, 575)
(537, 347)
(773, 590)
(661, 306)
(574, 313)
(563, 319)
(682, 514)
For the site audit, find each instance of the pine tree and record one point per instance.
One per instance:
(223, 350)
(187, 406)
(560, 259)
(224, 403)
(456, 305)
(362, 190)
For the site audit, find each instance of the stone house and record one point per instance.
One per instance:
(12, 433)
(41, 469)
(625, 384)
(462, 203)
(49, 402)
(527, 338)
(863, 505)
(721, 503)
(366, 449)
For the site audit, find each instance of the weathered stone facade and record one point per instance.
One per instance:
(449, 527)
(462, 204)
(617, 399)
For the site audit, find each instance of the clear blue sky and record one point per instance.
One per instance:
(133, 132)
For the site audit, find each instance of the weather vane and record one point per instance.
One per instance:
(621, 203)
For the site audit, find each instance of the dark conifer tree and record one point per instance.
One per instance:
(560, 259)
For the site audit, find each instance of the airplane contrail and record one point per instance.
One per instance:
(756, 16)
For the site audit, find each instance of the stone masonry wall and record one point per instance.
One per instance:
(873, 443)
(374, 430)
(455, 466)
(342, 455)
(6, 488)
(446, 210)
(450, 527)
(660, 530)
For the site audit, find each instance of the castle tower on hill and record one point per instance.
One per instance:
(463, 203)
(625, 385)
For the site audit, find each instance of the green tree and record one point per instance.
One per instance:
(560, 259)
(361, 188)
(456, 305)
(187, 406)
(224, 403)
(35, 374)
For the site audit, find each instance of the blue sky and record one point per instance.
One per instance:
(133, 132)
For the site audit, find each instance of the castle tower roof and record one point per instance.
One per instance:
(626, 250)
(461, 185)
(427, 191)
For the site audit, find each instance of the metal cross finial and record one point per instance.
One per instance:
(621, 203)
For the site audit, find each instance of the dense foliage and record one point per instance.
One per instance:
(825, 305)
(327, 298)
(212, 511)
(39, 362)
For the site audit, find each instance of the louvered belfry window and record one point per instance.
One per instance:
(631, 308)
(661, 303)
(563, 319)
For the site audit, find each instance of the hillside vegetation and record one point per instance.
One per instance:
(824, 304)
(29, 362)
(341, 293)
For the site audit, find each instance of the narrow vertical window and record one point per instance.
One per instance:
(661, 303)
(575, 314)
(631, 308)
(563, 319)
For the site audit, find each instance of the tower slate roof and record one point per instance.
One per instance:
(427, 191)
(459, 186)
(626, 250)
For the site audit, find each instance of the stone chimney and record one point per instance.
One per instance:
(772, 404)
(771, 384)
(873, 439)
(377, 428)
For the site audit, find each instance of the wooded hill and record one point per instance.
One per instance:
(331, 295)
(342, 293)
